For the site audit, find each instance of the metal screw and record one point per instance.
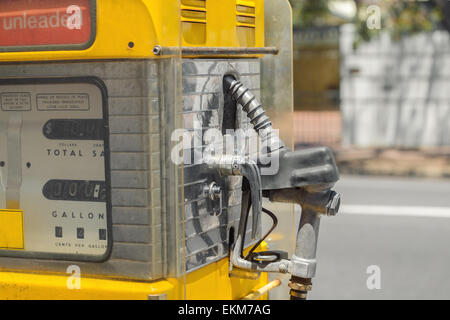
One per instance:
(213, 190)
(157, 50)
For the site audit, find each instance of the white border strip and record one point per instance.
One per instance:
(406, 211)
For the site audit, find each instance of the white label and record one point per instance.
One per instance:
(15, 101)
(48, 102)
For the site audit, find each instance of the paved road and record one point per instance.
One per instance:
(400, 225)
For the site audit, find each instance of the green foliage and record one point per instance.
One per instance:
(399, 17)
(310, 13)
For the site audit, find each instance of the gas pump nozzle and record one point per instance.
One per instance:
(304, 177)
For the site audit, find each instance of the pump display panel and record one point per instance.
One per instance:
(54, 169)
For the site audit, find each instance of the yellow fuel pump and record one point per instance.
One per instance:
(111, 184)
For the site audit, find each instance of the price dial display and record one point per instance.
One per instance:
(54, 166)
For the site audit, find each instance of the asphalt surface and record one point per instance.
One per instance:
(399, 225)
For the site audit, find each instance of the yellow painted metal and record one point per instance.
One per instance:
(118, 24)
(221, 25)
(213, 282)
(24, 286)
(11, 229)
(264, 290)
(147, 23)
(210, 282)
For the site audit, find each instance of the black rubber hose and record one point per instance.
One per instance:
(255, 112)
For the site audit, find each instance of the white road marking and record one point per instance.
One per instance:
(406, 211)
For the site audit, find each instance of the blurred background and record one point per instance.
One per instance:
(372, 81)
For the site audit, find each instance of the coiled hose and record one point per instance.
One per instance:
(255, 112)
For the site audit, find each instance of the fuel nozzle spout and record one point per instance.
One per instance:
(305, 177)
(315, 201)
